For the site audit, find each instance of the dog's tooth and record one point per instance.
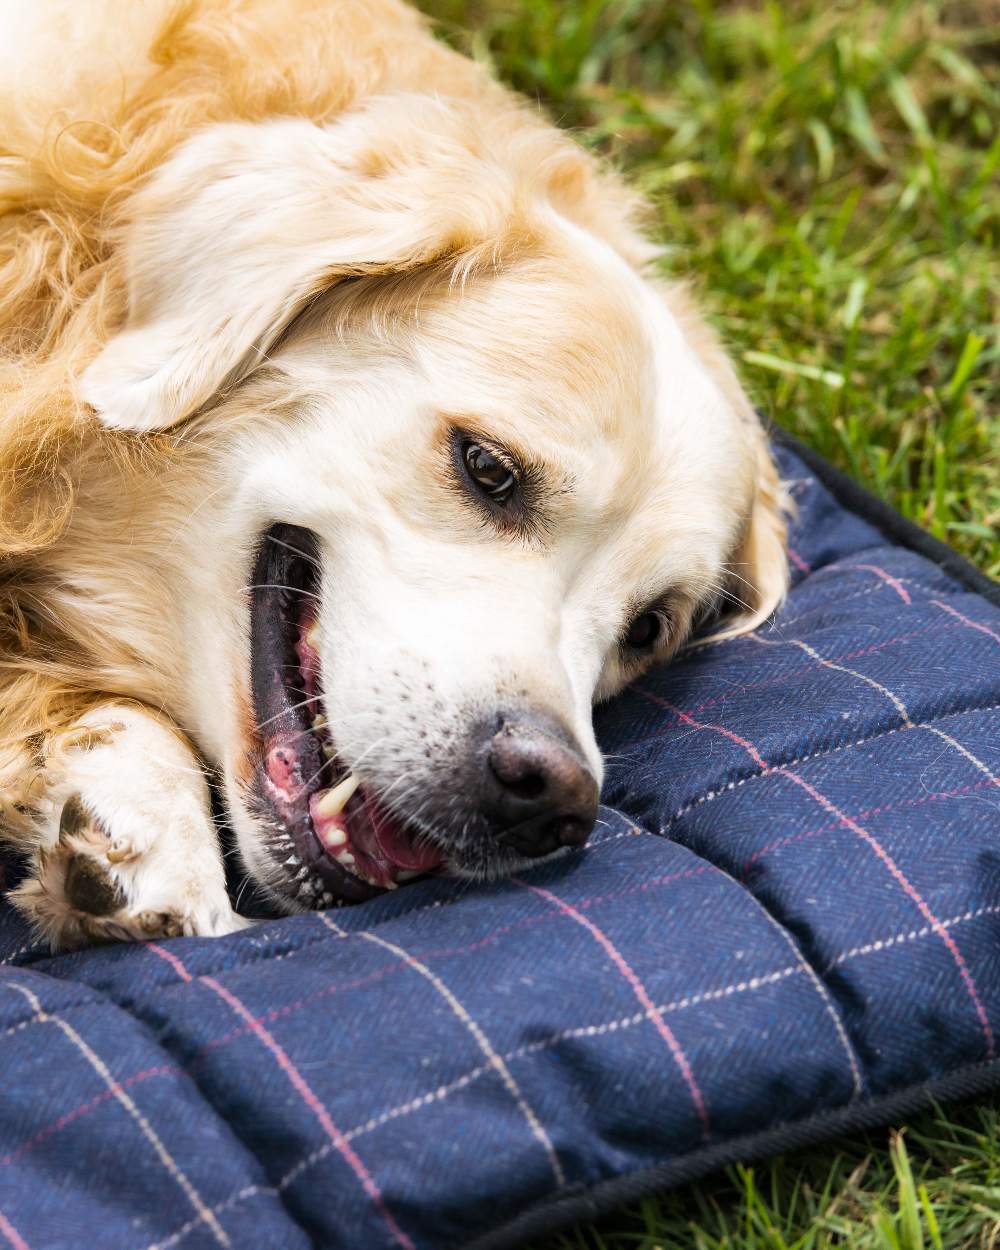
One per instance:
(319, 721)
(407, 874)
(327, 899)
(333, 802)
(333, 837)
(389, 885)
(292, 861)
(327, 750)
(345, 858)
(312, 636)
(302, 873)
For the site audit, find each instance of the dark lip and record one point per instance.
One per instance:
(286, 573)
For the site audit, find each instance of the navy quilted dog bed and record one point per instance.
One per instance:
(786, 926)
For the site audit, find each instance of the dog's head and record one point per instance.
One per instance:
(470, 471)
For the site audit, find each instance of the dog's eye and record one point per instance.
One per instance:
(644, 631)
(489, 473)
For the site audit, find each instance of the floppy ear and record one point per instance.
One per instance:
(246, 221)
(760, 564)
(759, 577)
(765, 547)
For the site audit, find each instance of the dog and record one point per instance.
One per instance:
(350, 450)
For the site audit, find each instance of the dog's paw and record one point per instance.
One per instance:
(96, 884)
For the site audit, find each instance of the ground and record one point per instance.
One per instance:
(827, 176)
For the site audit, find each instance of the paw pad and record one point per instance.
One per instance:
(163, 924)
(87, 886)
(89, 889)
(75, 818)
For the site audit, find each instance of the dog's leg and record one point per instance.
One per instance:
(125, 845)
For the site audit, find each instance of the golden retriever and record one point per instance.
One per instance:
(349, 451)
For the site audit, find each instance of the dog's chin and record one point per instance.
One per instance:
(323, 837)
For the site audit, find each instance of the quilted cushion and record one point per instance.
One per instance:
(785, 925)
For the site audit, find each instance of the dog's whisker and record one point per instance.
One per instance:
(313, 698)
(280, 542)
(404, 777)
(239, 893)
(295, 590)
(316, 775)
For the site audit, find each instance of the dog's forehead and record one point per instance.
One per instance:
(544, 346)
(573, 356)
(571, 360)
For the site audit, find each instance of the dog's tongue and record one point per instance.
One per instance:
(382, 838)
(364, 831)
(371, 843)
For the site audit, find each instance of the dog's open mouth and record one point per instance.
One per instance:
(330, 834)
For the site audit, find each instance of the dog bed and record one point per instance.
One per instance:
(786, 926)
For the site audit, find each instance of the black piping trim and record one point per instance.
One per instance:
(589, 1202)
(895, 527)
(578, 1203)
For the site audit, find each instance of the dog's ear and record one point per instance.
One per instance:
(758, 570)
(758, 567)
(245, 222)
(762, 560)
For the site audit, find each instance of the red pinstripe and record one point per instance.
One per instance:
(913, 893)
(85, 1108)
(888, 578)
(315, 1105)
(301, 1086)
(896, 872)
(936, 796)
(641, 993)
(171, 959)
(770, 682)
(11, 1233)
(749, 747)
(983, 629)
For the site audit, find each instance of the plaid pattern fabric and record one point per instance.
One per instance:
(791, 905)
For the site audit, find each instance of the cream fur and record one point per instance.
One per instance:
(252, 269)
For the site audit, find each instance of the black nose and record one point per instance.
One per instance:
(539, 793)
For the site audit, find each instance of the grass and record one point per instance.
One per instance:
(828, 175)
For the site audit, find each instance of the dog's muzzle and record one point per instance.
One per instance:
(537, 792)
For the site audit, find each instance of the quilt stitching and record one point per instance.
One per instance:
(318, 1108)
(735, 784)
(163, 1154)
(494, 1060)
(887, 860)
(782, 679)
(642, 994)
(577, 976)
(893, 698)
(603, 1028)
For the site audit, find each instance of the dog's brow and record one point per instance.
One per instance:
(541, 478)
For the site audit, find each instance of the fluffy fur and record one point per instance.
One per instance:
(234, 239)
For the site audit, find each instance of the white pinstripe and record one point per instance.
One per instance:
(484, 1044)
(709, 795)
(914, 935)
(205, 1215)
(828, 1005)
(546, 1043)
(894, 699)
